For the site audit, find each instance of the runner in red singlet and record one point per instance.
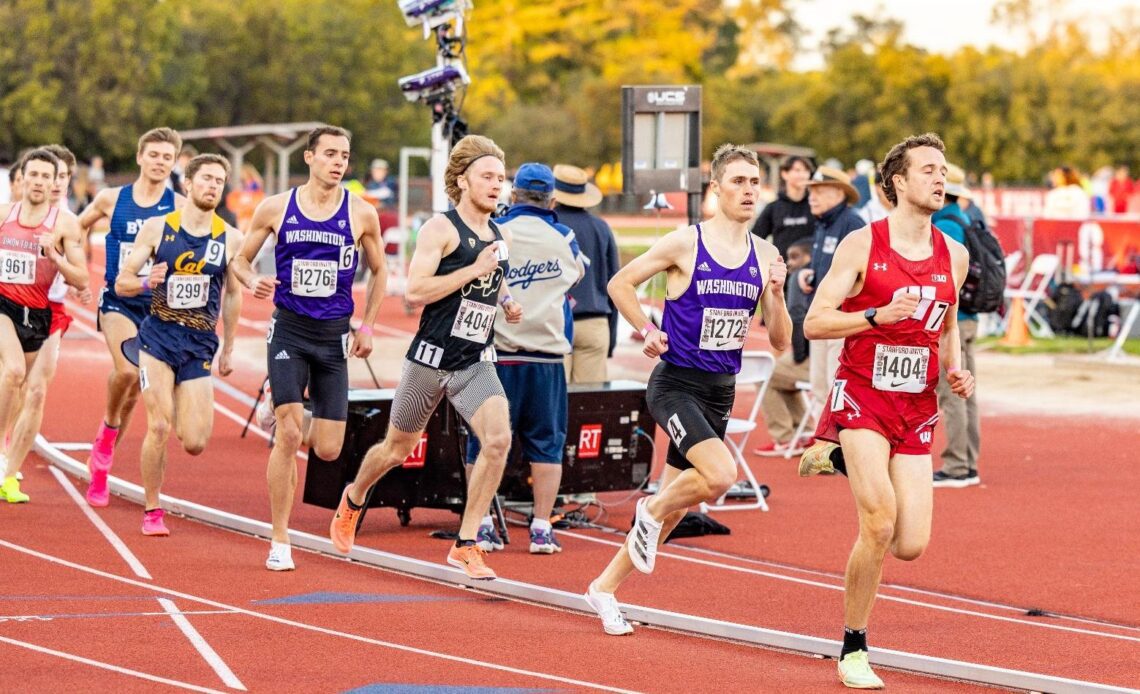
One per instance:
(891, 293)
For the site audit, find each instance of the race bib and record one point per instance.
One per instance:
(428, 354)
(316, 278)
(187, 291)
(17, 267)
(723, 329)
(473, 321)
(900, 369)
(125, 252)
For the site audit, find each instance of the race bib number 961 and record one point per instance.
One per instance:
(17, 267)
(315, 278)
(724, 329)
(900, 369)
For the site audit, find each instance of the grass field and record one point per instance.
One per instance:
(1061, 345)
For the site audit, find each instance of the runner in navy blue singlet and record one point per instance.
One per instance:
(190, 282)
(320, 230)
(718, 274)
(119, 318)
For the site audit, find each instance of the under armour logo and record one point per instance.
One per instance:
(879, 266)
(850, 416)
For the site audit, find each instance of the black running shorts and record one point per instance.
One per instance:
(310, 352)
(32, 324)
(691, 406)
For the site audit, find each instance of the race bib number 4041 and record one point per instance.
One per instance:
(473, 321)
(724, 329)
(900, 369)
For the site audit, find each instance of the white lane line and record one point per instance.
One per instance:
(113, 539)
(901, 588)
(108, 666)
(208, 654)
(74, 446)
(890, 598)
(312, 627)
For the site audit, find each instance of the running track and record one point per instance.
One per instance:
(1050, 530)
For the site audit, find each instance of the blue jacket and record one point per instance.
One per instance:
(830, 228)
(953, 221)
(590, 296)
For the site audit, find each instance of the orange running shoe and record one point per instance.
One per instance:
(470, 559)
(342, 530)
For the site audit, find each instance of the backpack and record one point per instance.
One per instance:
(1092, 318)
(983, 290)
(1066, 300)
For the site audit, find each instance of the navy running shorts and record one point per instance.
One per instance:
(136, 308)
(188, 352)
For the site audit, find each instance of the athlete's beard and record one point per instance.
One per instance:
(203, 206)
(482, 208)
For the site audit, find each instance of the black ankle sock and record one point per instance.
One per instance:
(464, 543)
(352, 506)
(853, 640)
(837, 461)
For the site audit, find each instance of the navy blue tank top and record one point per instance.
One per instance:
(126, 221)
(316, 261)
(195, 273)
(708, 322)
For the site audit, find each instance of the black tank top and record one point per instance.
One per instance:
(457, 331)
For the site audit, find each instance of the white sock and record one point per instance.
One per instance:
(487, 521)
(274, 545)
(540, 524)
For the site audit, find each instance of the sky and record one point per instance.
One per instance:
(942, 26)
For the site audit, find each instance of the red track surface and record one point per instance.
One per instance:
(1052, 528)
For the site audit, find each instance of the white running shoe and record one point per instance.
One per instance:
(606, 605)
(266, 417)
(855, 672)
(280, 557)
(643, 538)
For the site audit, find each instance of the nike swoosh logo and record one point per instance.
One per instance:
(897, 384)
(163, 207)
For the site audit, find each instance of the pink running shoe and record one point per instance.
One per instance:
(153, 523)
(99, 465)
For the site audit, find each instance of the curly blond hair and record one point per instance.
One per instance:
(463, 155)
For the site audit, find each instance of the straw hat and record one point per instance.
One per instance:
(572, 187)
(829, 176)
(956, 182)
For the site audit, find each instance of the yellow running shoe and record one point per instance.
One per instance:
(855, 672)
(10, 490)
(817, 459)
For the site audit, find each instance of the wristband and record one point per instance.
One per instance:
(146, 283)
(649, 327)
(365, 330)
(505, 299)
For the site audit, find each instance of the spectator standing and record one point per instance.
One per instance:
(783, 405)
(1120, 189)
(595, 318)
(788, 218)
(831, 196)
(959, 416)
(379, 184)
(1067, 199)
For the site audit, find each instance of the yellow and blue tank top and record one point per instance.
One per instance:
(195, 273)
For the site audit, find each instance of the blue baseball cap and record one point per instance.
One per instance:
(535, 177)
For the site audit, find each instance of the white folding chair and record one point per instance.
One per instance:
(756, 369)
(804, 387)
(1032, 291)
